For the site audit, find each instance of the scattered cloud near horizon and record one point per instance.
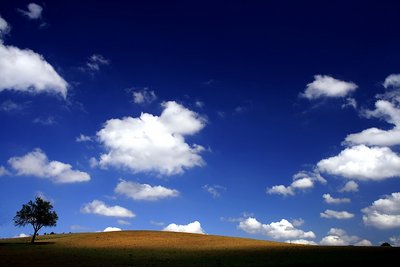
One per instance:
(112, 229)
(339, 237)
(276, 230)
(384, 213)
(193, 227)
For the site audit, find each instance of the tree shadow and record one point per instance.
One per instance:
(25, 243)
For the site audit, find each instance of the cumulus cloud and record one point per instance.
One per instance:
(4, 27)
(94, 63)
(350, 186)
(340, 215)
(387, 111)
(100, 208)
(327, 86)
(298, 222)
(153, 143)
(34, 11)
(384, 213)
(146, 192)
(363, 163)
(112, 229)
(26, 71)
(36, 163)
(331, 200)
(83, 138)
(339, 237)
(395, 240)
(214, 190)
(393, 80)
(301, 242)
(276, 230)
(144, 96)
(21, 235)
(194, 227)
(375, 137)
(301, 181)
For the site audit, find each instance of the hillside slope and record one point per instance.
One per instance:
(152, 248)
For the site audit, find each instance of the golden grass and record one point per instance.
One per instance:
(153, 248)
(152, 240)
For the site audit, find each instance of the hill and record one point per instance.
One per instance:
(153, 248)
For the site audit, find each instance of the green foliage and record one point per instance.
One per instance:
(38, 214)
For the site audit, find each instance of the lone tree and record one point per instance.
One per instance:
(38, 214)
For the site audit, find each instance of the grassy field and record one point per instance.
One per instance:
(151, 248)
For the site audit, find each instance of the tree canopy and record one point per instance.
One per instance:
(38, 214)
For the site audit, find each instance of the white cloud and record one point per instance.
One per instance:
(45, 121)
(4, 27)
(44, 197)
(350, 103)
(34, 11)
(112, 229)
(331, 200)
(146, 192)
(340, 215)
(339, 237)
(199, 104)
(384, 213)
(375, 137)
(280, 190)
(123, 222)
(11, 106)
(298, 222)
(4, 171)
(36, 163)
(214, 190)
(395, 241)
(93, 163)
(194, 227)
(100, 208)
(326, 86)
(301, 242)
(301, 181)
(393, 80)
(153, 143)
(144, 96)
(350, 186)
(387, 111)
(21, 235)
(363, 163)
(95, 62)
(276, 230)
(83, 138)
(26, 71)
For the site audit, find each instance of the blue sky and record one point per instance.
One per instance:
(267, 120)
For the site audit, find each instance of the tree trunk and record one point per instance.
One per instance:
(33, 237)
